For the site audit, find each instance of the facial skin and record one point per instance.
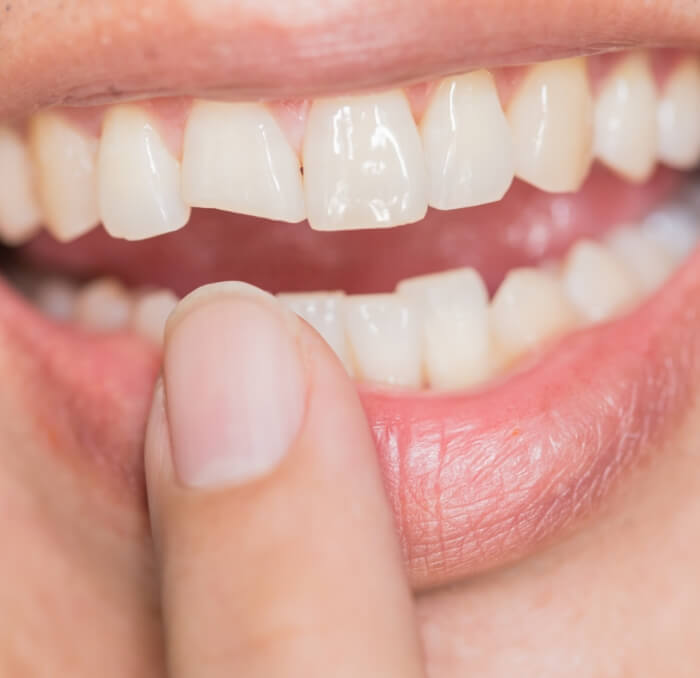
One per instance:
(78, 587)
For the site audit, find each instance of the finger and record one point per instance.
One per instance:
(277, 550)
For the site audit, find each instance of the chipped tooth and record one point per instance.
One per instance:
(675, 228)
(454, 308)
(57, 297)
(363, 163)
(150, 312)
(596, 281)
(551, 118)
(529, 308)
(385, 338)
(467, 142)
(20, 215)
(103, 305)
(625, 119)
(65, 161)
(138, 178)
(678, 117)
(325, 312)
(236, 158)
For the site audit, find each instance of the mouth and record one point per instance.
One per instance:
(502, 258)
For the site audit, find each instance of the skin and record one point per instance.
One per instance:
(81, 589)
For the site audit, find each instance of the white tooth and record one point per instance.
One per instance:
(325, 312)
(454, 309)
(625, 119)
(363, 163)
(103, 305)
(150, 312)
(56, 297)
(675, 228)
(65, 161)
(138, 178)
(596, 282)
(236, 158)
(385, 338)
(528, 309)
(649, 263)
(467, 142)
(19, 210)
(678, 117)
(551, 116)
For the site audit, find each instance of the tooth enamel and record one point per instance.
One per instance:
(65, 162)
(675, 228)
(56, 297)
(454, 308)
(625, 119)
(138, 178)
(19, 210)
(149, 313)
(551, 118)
(236, 158)
(385, 338)
(103, 305)
(325, 312)
(596, 282)
(678, 117)
(467, 142)
(363, 163)
(529, 308)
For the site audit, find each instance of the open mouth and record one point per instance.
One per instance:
(502, 259)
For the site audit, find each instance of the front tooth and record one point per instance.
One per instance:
(625, 119)
(454, 308)
(103, 305)
(325, 312)
(678, 117)
(385, 338)
(150, 312)
(467, 142)
(19, 210)
(237, 159)
(65, 161)
(363, 163)
(551, 117)
(138, 178)
(529, 308)
(596, 281)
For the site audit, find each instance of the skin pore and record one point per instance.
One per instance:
(79, 585)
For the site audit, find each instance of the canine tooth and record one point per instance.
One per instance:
(385, 338)
(19, 210)
(467, 142)
(529, 308)
(625, 119)
(678, 117)
(138, 178)
(56, 297)
(149, 313)
(675, 228)
(596, 282)
(325, 312)
(103, 305)
(65, 162)
(363, 163)
(551, 117)
(236, 158)
(454, 308)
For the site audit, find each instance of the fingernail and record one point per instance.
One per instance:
(234, 384)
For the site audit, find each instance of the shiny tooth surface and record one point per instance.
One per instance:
(596, 281)
(103, 305)
(138, 178)
(454, 309)
(363, 163)
(150, 312)
(385, 338)
(57, 297)
(65, 161)
(467, 143)
(529, 308)
(551, 117)
(325, 312)
(678, 116)
(236, 158)
(20, 215)
(625, 119)
(675, 228)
